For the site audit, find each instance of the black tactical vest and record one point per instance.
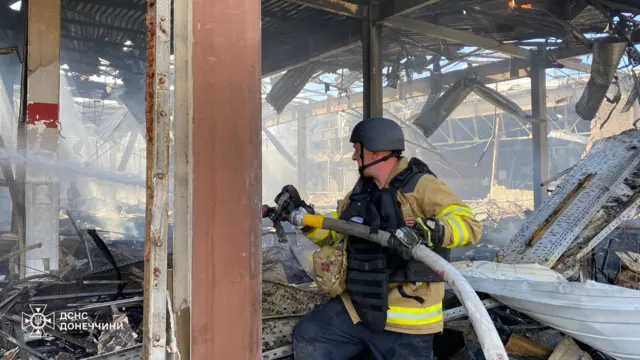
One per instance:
(371, 267)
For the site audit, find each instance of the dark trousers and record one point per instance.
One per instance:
(327, 333)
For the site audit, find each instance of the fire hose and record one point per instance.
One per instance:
(492, 346)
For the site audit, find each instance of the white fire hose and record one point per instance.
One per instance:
(485, 330)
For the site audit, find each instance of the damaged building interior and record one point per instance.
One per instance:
(140, 138)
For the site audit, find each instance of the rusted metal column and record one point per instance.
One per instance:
(372, 62)
(158, 144)
(183, 172)
(227, 192)
(42, 189)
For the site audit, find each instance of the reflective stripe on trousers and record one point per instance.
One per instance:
(414, 316)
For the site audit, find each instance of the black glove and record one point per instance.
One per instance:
(428, 232)
(289, 200)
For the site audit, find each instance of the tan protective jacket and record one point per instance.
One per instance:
(430, 198)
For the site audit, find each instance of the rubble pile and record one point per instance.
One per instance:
(282, 306)
(91, 307)
(64, 318)
(491, 212)
(629, 275)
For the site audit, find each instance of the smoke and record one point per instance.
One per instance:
(69, 171)
(503, 233)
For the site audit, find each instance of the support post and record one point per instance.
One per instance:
(372, 62)
(128, 150)
(302, 151)
(539, 130)
(227, 194)
(158, 143)
(41, 135)
(496, 146)
(183, 200)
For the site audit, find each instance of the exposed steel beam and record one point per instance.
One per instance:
(321, 44)
(183, 174)
(158, 127)
(390, 8)
(339, 7)
(457, 36)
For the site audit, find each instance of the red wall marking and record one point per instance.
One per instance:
(43, 113)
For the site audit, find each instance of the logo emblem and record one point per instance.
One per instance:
(38, 321)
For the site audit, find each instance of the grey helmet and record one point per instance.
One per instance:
(378, 134)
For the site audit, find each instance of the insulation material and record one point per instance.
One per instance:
(585, 207)
(431, 117)
(289, 86)
(606, 57)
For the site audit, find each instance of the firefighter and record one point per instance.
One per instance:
(389, 303)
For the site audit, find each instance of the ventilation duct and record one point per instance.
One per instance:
(606, 58)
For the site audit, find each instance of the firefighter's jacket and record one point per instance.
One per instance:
(430, 197)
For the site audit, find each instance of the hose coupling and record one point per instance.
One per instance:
(296, 217)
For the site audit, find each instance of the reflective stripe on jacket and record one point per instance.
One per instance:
(430, 198)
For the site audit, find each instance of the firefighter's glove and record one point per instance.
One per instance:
(289, 200)
(423, 231)
(403, 240)
(430, 231)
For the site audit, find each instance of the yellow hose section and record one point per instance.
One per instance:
(313, 221)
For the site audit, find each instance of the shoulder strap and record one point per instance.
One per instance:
(408, 178)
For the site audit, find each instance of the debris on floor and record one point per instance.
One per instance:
(569, 350)
(120, 337)
(91, 307)
(520, 345)
(629, 274)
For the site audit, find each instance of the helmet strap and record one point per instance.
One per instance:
(362, 168)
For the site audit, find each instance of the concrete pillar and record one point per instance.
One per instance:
(226, 180)
(539, 130)
(42, 188)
